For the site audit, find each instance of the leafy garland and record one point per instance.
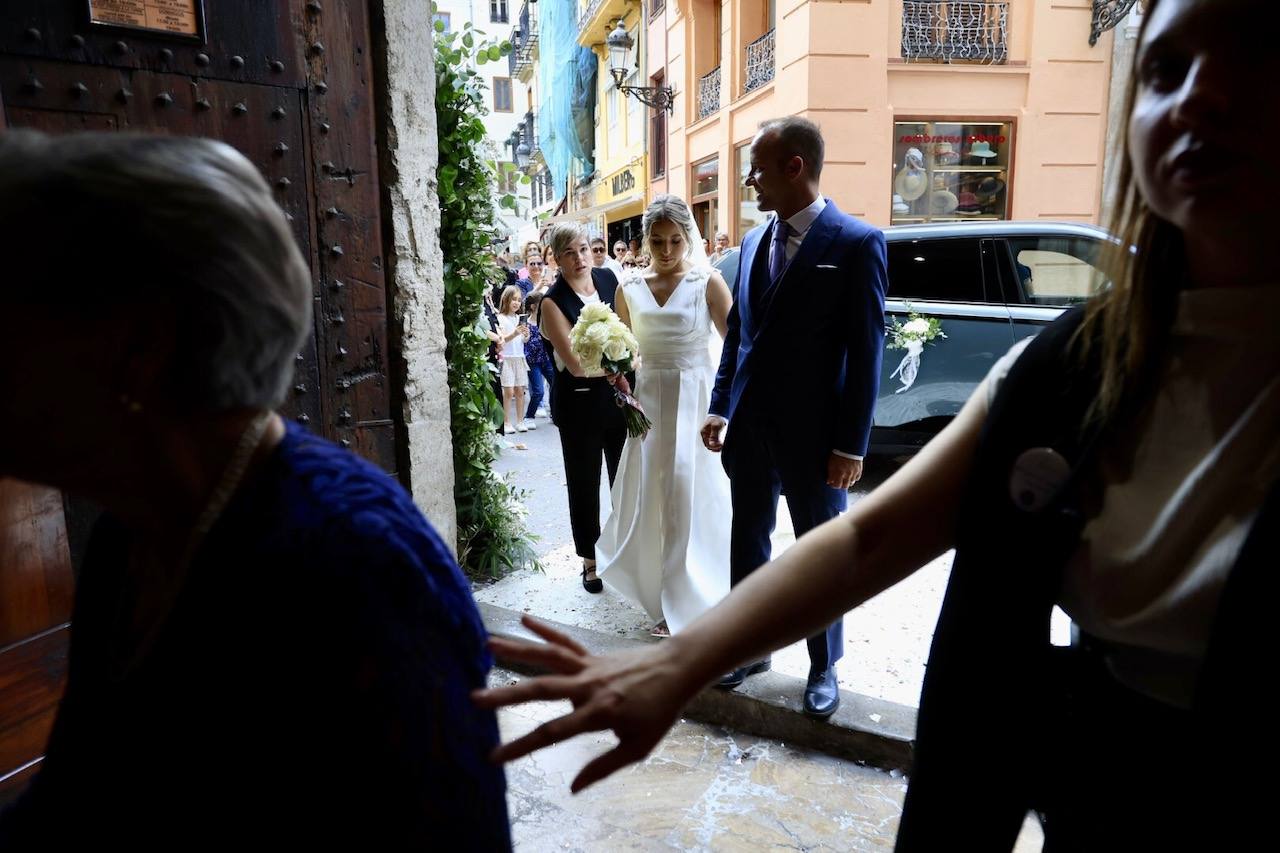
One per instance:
(492, 537)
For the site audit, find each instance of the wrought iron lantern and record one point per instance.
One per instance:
(620, 44)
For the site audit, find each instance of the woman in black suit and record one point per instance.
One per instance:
(582, 406)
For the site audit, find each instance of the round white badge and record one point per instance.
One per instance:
(1038, 474)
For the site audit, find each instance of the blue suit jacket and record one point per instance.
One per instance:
(808, 362)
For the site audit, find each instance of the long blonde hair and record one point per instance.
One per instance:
(1125, 327)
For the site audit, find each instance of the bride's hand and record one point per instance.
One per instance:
(637, 695)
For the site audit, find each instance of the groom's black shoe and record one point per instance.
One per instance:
(822, 693)
(740, 674)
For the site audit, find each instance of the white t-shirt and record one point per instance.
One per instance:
(1178, 491)
(513, 348)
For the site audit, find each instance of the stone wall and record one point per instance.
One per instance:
(408, 150)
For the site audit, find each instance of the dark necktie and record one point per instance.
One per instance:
(778, 255)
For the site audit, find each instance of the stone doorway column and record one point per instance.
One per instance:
(404, 95)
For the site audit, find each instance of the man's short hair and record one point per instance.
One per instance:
(798, 137)
(600, 240)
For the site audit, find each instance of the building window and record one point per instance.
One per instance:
(657, 6)
(498, 11)
(657, 135)
(612, 117)
(955, 31)
(749, 213)
(502, 95)
(950, 171)
(441, 18)
(705, 196)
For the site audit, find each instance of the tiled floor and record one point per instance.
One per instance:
(703, 788)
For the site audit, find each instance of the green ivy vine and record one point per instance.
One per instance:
(492, 536)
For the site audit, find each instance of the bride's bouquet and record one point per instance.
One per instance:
(603, 344)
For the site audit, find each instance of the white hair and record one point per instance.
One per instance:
(184, 223)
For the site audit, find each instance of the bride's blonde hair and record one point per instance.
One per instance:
(670, 208)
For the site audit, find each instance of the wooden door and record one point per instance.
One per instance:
(288, 83)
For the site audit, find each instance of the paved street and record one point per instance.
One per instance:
(702, 788)
(886, 640)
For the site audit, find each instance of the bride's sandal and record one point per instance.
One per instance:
(592, 585)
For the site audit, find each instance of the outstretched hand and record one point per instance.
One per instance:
(637, 695)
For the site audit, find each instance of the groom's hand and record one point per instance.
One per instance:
(712, 430)
(842, 472)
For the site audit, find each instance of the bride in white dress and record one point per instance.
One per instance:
(666, 543)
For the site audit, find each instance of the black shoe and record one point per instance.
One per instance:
(595, 584)
(740, 674)
(822, 694)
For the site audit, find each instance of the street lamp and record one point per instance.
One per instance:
(620, 43)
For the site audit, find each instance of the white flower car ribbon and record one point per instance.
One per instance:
(909, 366)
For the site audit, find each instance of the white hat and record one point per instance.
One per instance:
(910, 183)
(943, 202)
(982, 149)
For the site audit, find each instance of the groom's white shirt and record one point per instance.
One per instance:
(800, 224)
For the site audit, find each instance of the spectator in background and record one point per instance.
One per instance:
(634, 246)
(619, 249)
(542, 370)
(600, 256)
(721, 247)
(629, 261)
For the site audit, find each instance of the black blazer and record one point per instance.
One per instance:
(999, 700)
(578, 400)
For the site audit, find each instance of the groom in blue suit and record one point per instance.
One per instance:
(800, 370)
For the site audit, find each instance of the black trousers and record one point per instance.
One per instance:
(591, 429)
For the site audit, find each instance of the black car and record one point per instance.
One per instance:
(989, 284)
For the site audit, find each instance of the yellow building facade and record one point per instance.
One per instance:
(931, 111)
(611, 200)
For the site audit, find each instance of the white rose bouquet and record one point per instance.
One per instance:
(604, 345)
(912, 337)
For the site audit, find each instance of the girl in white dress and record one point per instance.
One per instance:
(666, 543)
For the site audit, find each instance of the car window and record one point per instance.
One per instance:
(942, 270)
(728, 268)
(1056, 270)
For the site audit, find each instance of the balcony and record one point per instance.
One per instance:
(709, 94)
(760, 63)
(955, 31)
(527, 51)
(597, 18)
(515, 50)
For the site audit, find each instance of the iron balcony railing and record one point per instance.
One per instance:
(955, 31)
(588, 14)
(760, 62)
(528, 40)
(515, 50)
(709, 94)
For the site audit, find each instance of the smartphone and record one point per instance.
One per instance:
(524, 319)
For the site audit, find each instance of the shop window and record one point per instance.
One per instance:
(949, 171)
(705, 198)
(502, 95)
(749, 213)
(1056, 270)
(947, 270)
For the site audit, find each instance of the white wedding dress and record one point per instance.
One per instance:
(666, 543)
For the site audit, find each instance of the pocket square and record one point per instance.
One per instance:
(826, 266)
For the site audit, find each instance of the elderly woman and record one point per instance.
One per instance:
(1122, 465)
(582, 407)
(268, 640)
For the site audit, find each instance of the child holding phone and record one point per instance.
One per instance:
(512, 333)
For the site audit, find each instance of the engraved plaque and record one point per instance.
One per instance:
(175, 17)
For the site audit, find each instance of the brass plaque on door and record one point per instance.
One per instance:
(174, 17)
